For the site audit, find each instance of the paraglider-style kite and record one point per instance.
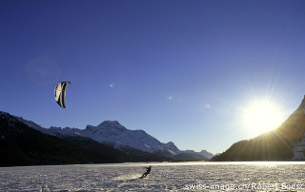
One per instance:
(60, 93)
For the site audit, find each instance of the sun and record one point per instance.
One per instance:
(262, 116)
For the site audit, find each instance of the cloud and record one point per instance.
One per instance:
(207, 106)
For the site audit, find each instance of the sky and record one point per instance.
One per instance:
(183, 71)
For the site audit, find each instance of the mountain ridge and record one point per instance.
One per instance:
(69, 139)
(115, 134)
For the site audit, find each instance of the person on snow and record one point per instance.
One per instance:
(146, 173)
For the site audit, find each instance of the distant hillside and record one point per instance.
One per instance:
(278, 144)
(23, 145)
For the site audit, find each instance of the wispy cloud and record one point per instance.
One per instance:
(207, 106)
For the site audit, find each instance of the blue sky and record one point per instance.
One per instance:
(180, 70)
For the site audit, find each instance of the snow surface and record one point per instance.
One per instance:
(250, 176)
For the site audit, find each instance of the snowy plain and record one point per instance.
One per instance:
(204, 176)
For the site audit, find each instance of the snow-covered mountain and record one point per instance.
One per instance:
(202, 153)
(206, 154)
(115, 134)
(112, 132)
(172, 148)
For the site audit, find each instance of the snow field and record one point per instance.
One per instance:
(256, 176)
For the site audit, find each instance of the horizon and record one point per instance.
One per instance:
(201, 74)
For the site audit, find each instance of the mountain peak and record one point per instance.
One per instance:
(109, 123)
(112, 132)
(172, 147)
(170, 143)
(106, 125)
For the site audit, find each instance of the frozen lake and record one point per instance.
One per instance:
(236, 176)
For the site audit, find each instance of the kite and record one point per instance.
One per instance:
(60, 93)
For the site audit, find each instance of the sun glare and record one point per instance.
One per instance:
(262, 116)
